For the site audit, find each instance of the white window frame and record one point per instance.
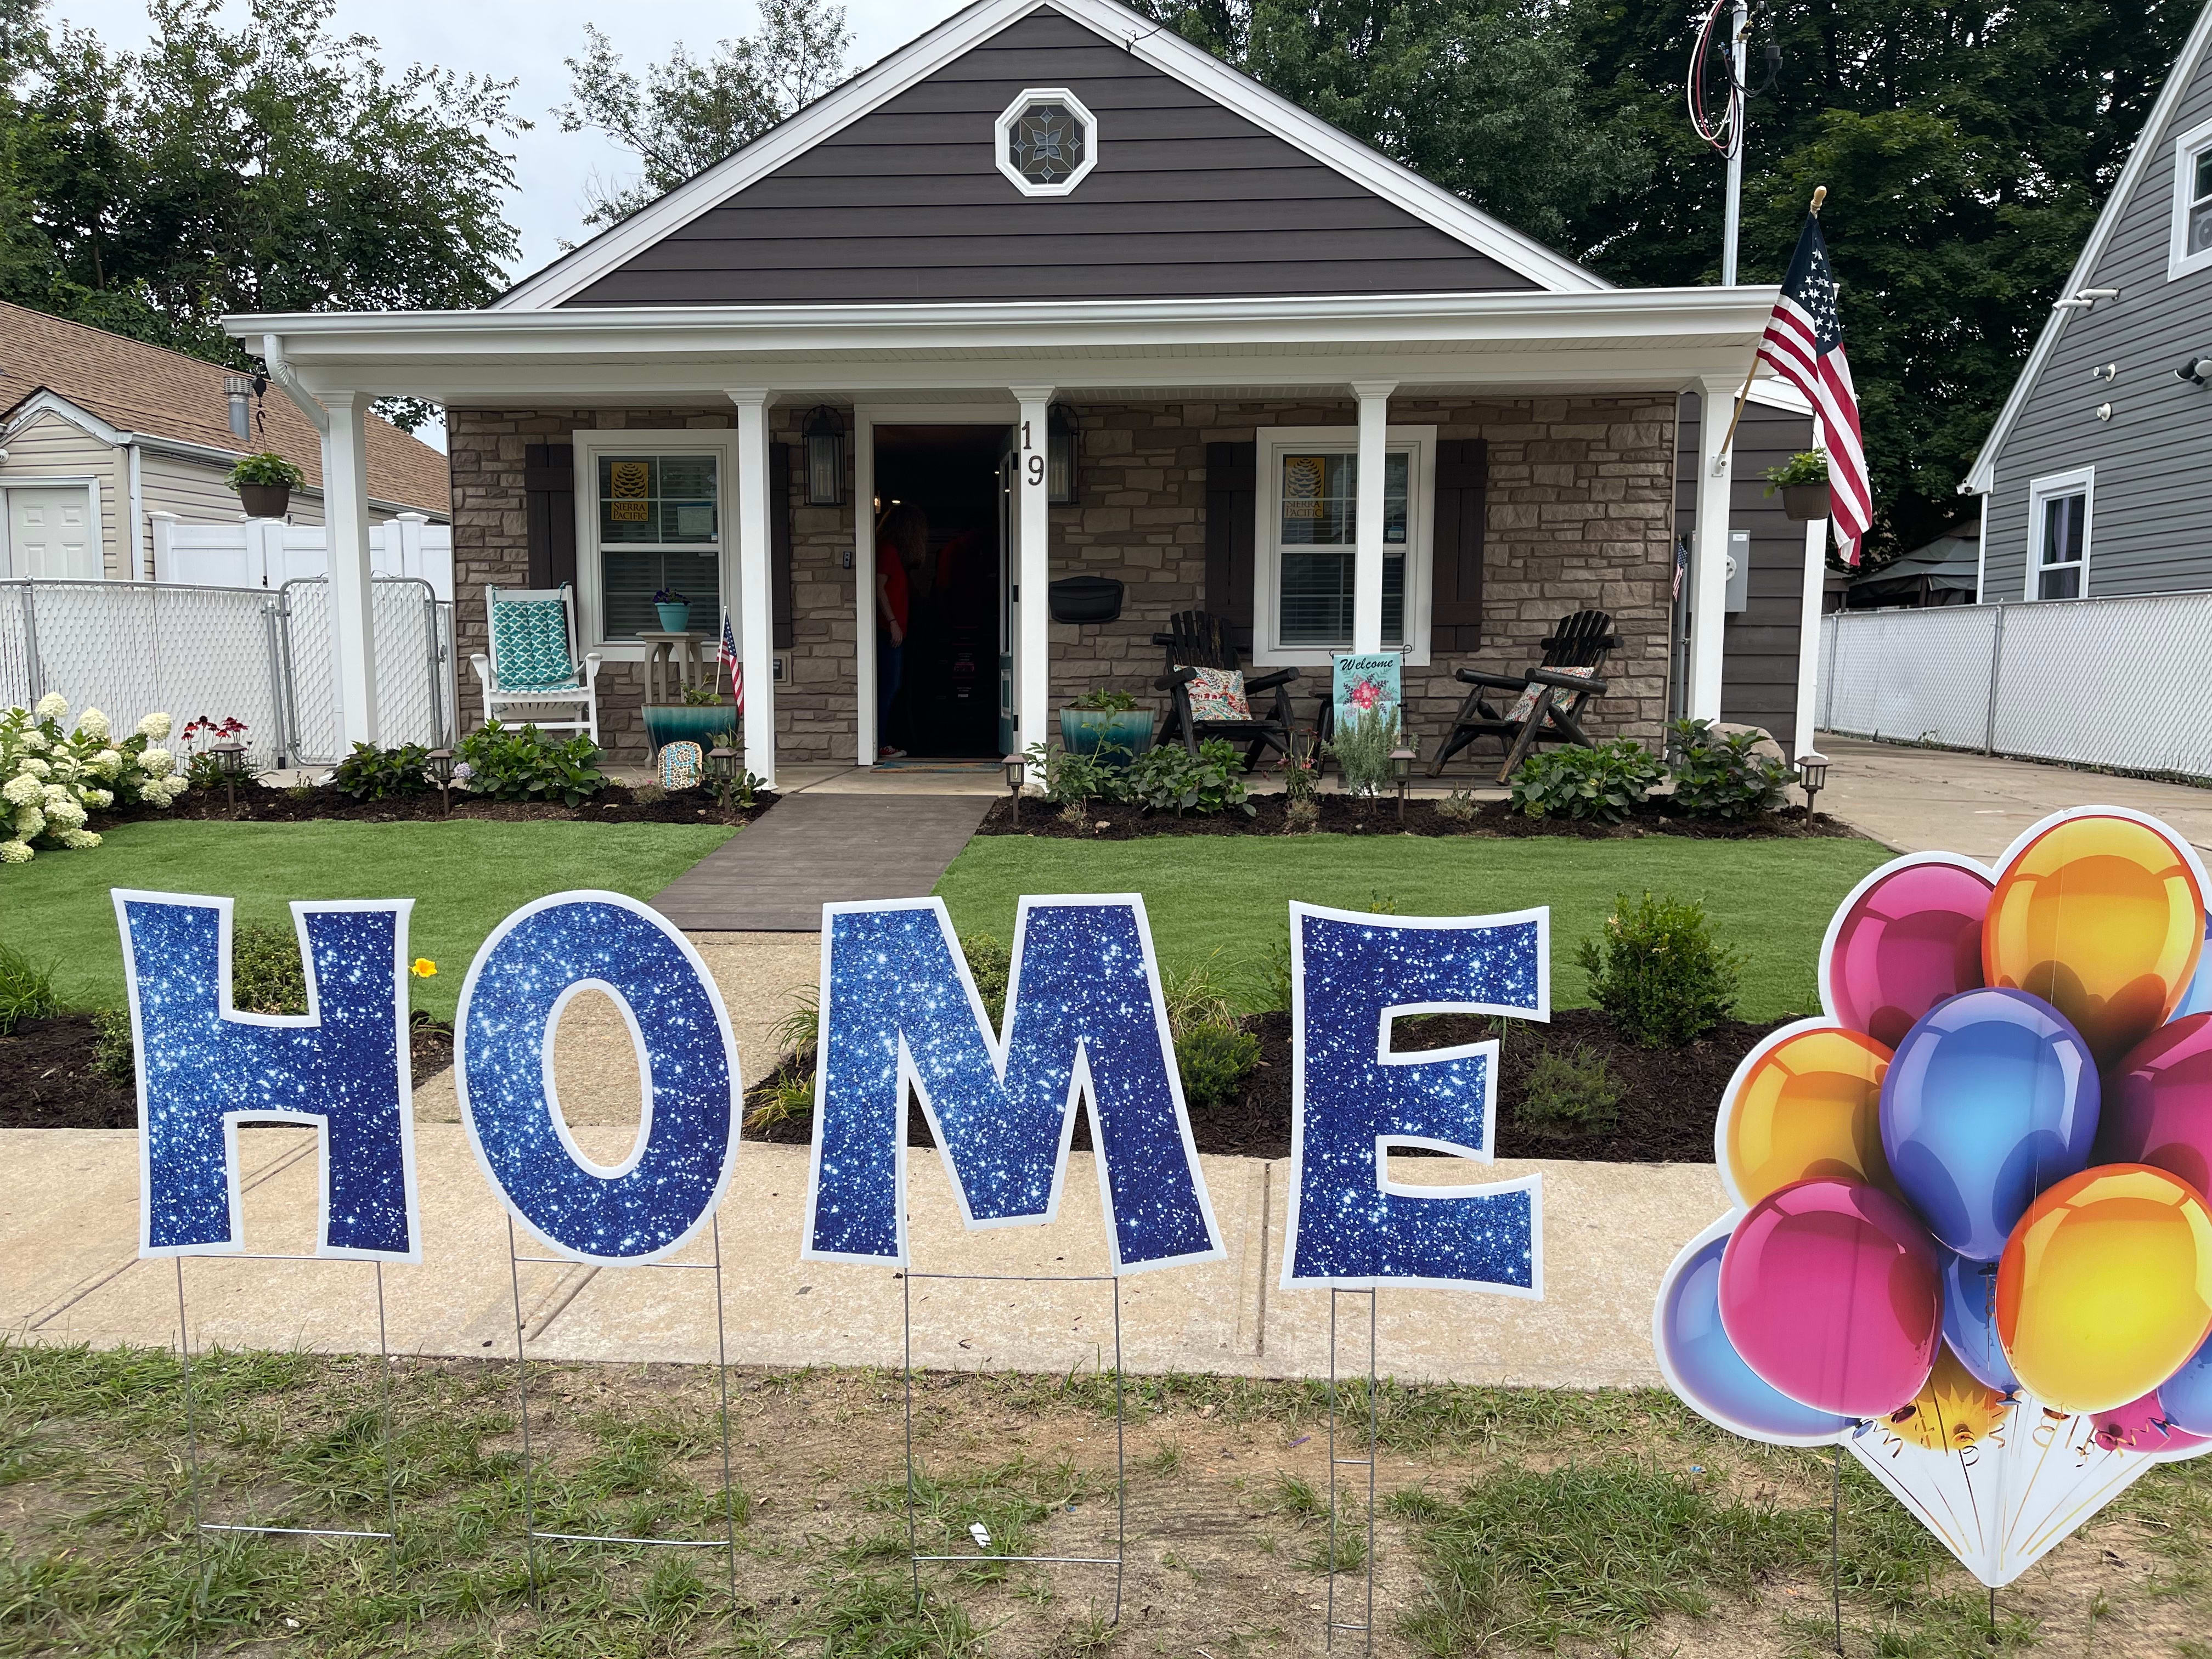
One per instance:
(88, 483)
(2180, 261)
(1002, 143)
(2083, 482)
(721, 442)
(1421, 442)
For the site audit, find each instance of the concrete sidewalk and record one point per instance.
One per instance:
(1920, 800)
(70, 1213)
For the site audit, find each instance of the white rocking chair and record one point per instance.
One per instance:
(531, 671)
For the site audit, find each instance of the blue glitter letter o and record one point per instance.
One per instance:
(670, 1188)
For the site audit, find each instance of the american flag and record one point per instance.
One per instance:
(728, 655)
(1804, 342)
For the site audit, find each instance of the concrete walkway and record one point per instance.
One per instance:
(814, 848)
(1922, 800)
(71, 1213)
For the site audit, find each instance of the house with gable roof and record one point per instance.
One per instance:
(1131, 336)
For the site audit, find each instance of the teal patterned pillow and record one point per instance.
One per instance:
(529, 642)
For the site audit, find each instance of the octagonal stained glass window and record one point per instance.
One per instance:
(1046, 143)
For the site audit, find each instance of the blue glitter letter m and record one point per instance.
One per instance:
(1084, 1017)
(202, 1068)
(1354, 1098)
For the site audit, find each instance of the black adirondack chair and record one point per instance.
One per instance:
(1200, 639)
(1580, 641)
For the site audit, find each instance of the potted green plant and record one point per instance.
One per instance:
(265, 483)
(1108, 724)
(675, 610)
(698, 716)
(1803, 481)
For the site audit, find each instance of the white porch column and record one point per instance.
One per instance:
(1709, 555)
(1033, 695)
(1367, 559)
(345, 520)
(755, 603)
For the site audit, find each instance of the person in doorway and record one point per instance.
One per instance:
(901, 544)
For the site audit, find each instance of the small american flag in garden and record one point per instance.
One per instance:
(1804, 342)
(728, 656)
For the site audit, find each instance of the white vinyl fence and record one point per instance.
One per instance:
(263, 657)
(268, 552)
(2121, 683)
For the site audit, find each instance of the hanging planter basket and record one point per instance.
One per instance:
(265, 500)
(1803, 502)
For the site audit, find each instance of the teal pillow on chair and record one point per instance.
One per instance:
(529, 642)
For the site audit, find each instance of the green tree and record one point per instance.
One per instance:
(272, 165)
(688, 112)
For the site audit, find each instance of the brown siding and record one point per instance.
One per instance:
(1188, 199)
(1758, 653)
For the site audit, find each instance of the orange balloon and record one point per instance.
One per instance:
(2105, 1286)
(1810, 1106)
(1954, 1409)
(2102, 917)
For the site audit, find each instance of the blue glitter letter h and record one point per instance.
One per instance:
(201, 1068)
(1084, 1013)
(1354, 1098)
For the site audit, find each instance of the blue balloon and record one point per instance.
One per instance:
(1712, 1375)
(2187, 1395)
(1991, 1097)
(2197, 999)
(1970, 1319)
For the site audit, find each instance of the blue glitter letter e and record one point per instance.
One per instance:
(1354, 1099)
(1084, 1019)
(202, 1068)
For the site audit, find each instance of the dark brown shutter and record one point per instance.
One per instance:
(1230, 484)
(779, 539)
(548, 484)
(1456, 614)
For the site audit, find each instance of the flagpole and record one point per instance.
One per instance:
(1720, 455)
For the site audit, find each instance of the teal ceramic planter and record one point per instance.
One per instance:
(1085, 731)
(683, 722)
(674, 618)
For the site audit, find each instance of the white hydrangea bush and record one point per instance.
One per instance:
(53, 776)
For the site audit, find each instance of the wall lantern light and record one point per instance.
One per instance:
(1060, 456)
(826, 459)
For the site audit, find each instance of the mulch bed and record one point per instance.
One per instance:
(1667, 1096)
(54, 1085)
(1344, 815)
(617, 804)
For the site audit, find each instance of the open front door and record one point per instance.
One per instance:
(1010, 631)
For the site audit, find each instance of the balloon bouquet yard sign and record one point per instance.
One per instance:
(1971, 1241)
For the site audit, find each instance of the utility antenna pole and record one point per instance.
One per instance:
(1723, 128)
(1738, 117)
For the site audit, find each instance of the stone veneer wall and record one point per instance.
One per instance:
(1580, 514)
(1580, 511)
(814, 713)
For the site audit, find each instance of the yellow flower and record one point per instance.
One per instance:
(423, 968)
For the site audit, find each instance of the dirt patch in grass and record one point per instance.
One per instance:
(618, 803)
(57, 1083)
(1663, 1112)
(1506, 1522)
(1344, 815)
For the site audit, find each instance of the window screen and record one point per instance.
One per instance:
(659, 527)
(2200, 201)
(1315, 525)
(2065, 526)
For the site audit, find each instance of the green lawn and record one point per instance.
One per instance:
(464, 877)
(1770, 899)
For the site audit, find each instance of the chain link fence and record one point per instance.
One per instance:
(2123, 683)
(132, 648)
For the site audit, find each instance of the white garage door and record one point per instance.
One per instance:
(51, 534)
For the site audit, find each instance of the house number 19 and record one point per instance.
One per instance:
(1035, 466)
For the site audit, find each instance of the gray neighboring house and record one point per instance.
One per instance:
(2096, 482)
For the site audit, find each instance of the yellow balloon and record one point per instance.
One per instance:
(2100, 916)
(1809, 1106)
(2105, 1286)
(1954, 1409)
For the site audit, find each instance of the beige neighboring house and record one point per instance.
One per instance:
(98, 431)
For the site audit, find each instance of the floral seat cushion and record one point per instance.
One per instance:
(529, 646)
(1525, 704)
(1217, 693)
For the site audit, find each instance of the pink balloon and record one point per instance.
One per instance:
(1833, 1292)
(2141, 1425)
(1913, 938)
(2158, 1103)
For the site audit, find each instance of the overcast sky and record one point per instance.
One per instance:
(528, 41)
